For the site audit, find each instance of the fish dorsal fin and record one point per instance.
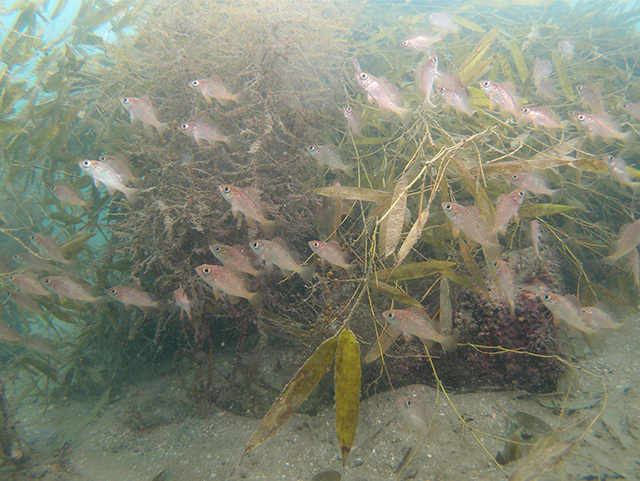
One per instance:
(281, 242)
(146, 99)
(239, 248)
(235, 273)
(623, 229)
(474, 210)
(215, 78)
(544, 109)
(333, 244)
(420, 311)
(509, 88)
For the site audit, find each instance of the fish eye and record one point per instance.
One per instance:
(580, 87)
(315, 245)
(226, 189)
(546, 297)
(391, 316)
(515, 176)
(442, 90)
(611, 158)
(47, 281)
(434, 59)
(12, 278)
(255, 245)
(53, 189)
(86, 163)
(408, 403)
(102, 158)
(126, 100)
(217, 248)
(404, 43)
(312, 148)
(581, 117)
(206, 270)
(364, 76)
(486, 83)
(113, 291)
(521, 193)
(33, 237)
(195, 83)
(184, 126)
(526, 111)
(16, 257)
(625, 106)
(348, 109)
(448, 206)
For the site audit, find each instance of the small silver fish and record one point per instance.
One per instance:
(506, 280)
(535, 184)
(597, 319)
(48, 247)
(566, 310)
(332, 253)
(28, 284)
(141, 109)
(468, 220)
(419, 41)
(274, 252)
(122, 167)
(67, 194)
(222, 279)
(507, 207)
(541, 78)
(328, 156)
(590, 97)
(67, 286)
(632, 109)
(457, 101)
(628, 239)
(541, 116)
(204, 132)
(235, 257)
(536, 235)
(600, 126)
(213, 88)
(566, 48)
(380, 90)
(246, 202)
(415, 321)
(416, 412)
(132, 295)
(425, 76)
(182, 301)
(503, 95)
(444, 22)
(105, 174)
(354, 119)
(619, 171)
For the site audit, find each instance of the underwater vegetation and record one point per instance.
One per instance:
(443, 195)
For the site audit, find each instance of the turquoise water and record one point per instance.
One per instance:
(216, 213)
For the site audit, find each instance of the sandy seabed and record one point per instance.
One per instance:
(150, 432)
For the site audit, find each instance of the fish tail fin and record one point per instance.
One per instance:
(404, 114)
(256, 300)
(270, 226)
(449, 343)
(556, 195)
(307, 273)
(350, 268)
(610, 260)
(635, 186)
(427, 104)
(131, 194)
(241, 98)
(492, 251)
(628, 137)
(162, 127)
